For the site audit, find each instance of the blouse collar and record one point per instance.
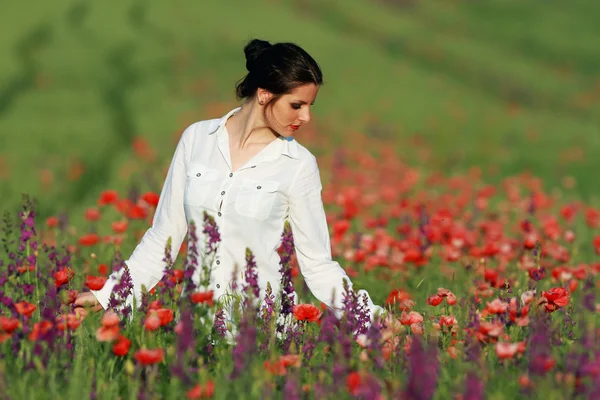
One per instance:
(289, 146)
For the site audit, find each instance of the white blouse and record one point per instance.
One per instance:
(250, 206)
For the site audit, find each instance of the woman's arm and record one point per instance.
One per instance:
(146, 264)
(312, 241)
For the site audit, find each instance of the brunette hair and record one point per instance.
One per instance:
(278, 68)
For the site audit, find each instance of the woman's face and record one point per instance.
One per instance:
(291, 110)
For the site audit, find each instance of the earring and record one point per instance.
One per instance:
(262, 103)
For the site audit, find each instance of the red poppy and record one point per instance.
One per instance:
(25, 308)
(103, 269)
(505, 350)
(307, 312)
(24, 268)
(555, 298)
(120, 226)
(155, 305)
(341, 227)
(107, 333)
(496, 306)
(89, 239)
(353, 382)
(151, 198)
(165, 315)
(199, 391)
(52, 222)
(596, 243)
(152, 322)
(95, 282)
(149, 356)
(110, 319)
(121, 347)
(448, 320)
(489, 331)
(69, 321)
(137, 212)
(92, 214)
(123, 205)
(397, 296)
(203, 297)
(177, 276)
(108, 197)
(434, 300)
(63, 276)
(410, 318)
(274, 367)
(39, 329)
(8, 325)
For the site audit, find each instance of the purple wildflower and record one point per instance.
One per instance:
(266, 314)
(474, 387)
(190, 263)
(123, 289)
(369, 388)
(211, 230)
(539, 346)
(245, 346)
(357, 314)
(291, 389)
(185, 347)
(219, 323)
(373, 343)
(250, 288)
(287, 286)
(422, 371)
(167, 288)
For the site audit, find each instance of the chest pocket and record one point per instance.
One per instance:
(255, 199)
(200, 186)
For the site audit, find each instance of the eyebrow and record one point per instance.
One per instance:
(303, 102)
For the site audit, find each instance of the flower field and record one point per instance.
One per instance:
(491, 289)
(457, 147)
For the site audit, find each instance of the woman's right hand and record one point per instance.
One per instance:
(86, 301)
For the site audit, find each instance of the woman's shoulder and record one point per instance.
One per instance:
(199, 128)
(303, 153)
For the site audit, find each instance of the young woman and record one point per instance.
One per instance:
(247, 171)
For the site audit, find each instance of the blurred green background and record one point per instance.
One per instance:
(509, 86)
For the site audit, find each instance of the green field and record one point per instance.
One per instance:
(505, 85)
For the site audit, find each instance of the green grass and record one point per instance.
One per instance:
(78, 80)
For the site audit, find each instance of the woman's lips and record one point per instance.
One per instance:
(295, 127)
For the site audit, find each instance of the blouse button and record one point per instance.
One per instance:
(222, 193)
(230, 174)
(198, 174)
(254, 166)
(218, 262)
(219, 213)
(258, 187)
(218, 286)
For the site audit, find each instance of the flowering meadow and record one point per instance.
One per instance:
(457, 143)
(491, 289)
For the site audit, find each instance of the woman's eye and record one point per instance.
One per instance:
(296, 106)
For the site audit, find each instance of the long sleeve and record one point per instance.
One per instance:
(146, 264)
(312, 242)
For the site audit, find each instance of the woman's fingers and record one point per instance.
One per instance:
(86, 300)
(80, 312)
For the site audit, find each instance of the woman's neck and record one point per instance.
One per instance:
(247, 127)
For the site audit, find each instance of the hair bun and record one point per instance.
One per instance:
(253, 50)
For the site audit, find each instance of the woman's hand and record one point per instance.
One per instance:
(86, 301)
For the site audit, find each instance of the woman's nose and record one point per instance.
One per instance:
(305, 116)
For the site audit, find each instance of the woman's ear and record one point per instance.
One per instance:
(263, 96)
